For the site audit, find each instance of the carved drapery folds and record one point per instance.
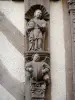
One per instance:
(37, 58)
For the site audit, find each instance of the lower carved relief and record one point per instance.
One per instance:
(38, 78)
(37, 58)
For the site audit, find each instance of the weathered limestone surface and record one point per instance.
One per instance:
(11, 59)
(57, 50)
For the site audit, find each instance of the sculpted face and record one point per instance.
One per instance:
(38, 13)
(36, 57)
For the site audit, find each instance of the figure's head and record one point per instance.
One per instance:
(38, 13)
(36, 57)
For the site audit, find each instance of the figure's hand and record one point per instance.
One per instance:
(43, 25)
(30, 70)
(43, 71)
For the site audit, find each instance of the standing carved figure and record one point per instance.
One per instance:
(36, 27)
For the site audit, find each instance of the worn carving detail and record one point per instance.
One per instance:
(71, 4)
(37, 60)
(70, 1)
(38, 90)
(38, 76)
(36, 28)
(38, 70)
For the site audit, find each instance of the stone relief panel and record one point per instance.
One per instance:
(37, 59)
(38, 77)
(36, 28)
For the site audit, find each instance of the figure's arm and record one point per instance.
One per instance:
(42, 25)
(46, 68)
(28, 67)
(30, 26)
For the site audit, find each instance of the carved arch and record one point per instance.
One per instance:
(30, 13)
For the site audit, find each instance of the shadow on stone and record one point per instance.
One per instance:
(14, 36)
(12, 85)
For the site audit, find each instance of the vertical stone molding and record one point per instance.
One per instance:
(71, 4)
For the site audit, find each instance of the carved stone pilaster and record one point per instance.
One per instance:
(37, 56)
(71, 4)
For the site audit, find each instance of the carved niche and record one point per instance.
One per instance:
(36, 28)
(37, 60)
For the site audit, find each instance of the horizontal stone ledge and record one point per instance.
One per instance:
(46, 53)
